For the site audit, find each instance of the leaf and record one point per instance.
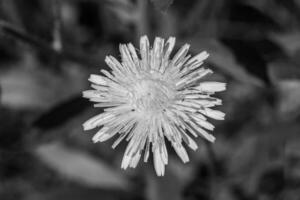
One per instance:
(259, 149)
(162, 5)
(243, 101)
(274, 11)
(31, 87)
(11, 126)
(124, 11)
(23, 89)
(254, 55)
(223, 60)
(62, 112)
(292, 155)
(272, 182)
(250, 15)
(170, 185)
(80, 193)
(80, 167)
(289, 95)
(289, 42)
(286, 79)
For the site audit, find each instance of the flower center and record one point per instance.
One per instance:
(151, 95)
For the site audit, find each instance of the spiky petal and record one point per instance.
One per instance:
(151, 98)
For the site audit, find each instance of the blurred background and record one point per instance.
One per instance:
(48, 48)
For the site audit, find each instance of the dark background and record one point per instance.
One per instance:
(48, 49)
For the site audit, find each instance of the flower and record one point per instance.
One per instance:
(151, 98)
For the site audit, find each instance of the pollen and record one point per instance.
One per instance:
(151, 96)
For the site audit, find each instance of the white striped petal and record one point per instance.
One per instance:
(212, 86)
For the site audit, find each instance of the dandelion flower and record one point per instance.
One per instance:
(150, 98)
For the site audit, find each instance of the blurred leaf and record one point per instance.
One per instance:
(9, 52)
(257, 151)
(272, 182)
(289, 42)
(80, 167)
(11, 126)
(32, 87)
(124, 11)
(62, 112)
(292, 154)
(283, 70)
(289, 95)
(162, 5)
(223, 60)
(242, 159)
(242, 102)
(170, 185)
(200, 185)
(276, 12)
(252, 16)
(80, 193)
(17, 189)
(24, 89)
(36, 17)
(128, 14)
(291, 6)
(253, 55)
(285, 77)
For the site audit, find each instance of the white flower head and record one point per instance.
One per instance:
(150, 98)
